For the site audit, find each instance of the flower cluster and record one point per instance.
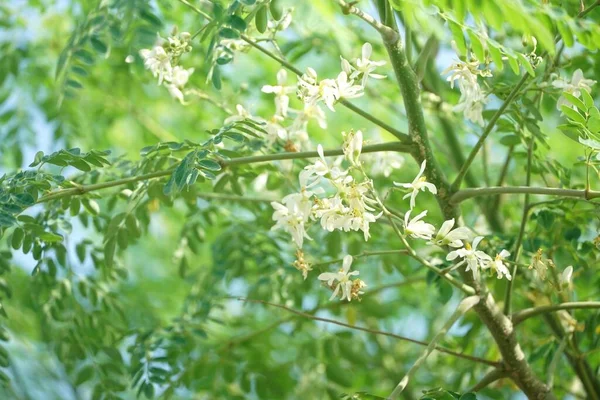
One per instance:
(290, 125)
(349, 209)
(162, 61)
(472, 97)
(574, 87)
(447, 236)
(312, 91)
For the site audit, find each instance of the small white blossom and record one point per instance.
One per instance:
(345, 88)
(474, 258)
(365, 67)
(158, 62)
(280, 91)
(352, 147)
(472, 99)
(416, 228)
(418, 184)
(340, 281)
(446, 236)
(497, 264)
(577, 84)
(177, 81)
(312, 173)
(292, 216)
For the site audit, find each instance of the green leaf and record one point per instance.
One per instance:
(459, 37)
(572, 114)
(237, 23)
(510, 140)
(587, 99)
(575, 101)
(261, 19)
(228, 33)
(209, 165)
(84, 375)
(275, 9)
(17, 238)
(476, 45)
(526, 64)
(91, 206)
(109, 251)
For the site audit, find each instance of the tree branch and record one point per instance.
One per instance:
(527, 313)
(388, 34)
(373, 331)
(465, 194)
(489, 378)
(83, 189)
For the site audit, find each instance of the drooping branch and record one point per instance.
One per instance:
(374, 331)
(527, 313)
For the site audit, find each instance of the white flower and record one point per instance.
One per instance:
(448, 237)
(472, 98)
(418, 184)
(292, 216)
(281, 91)
(471, 104)
(577, 84)
(365, 67)
(342, 277)
(566, 276)
(416, 228)
(474, 258)
(538, 264)
(464, 72)
(178, 79)
(158, 62)
(346, 88)
(312, 173)
(497, 264)
(352, 147)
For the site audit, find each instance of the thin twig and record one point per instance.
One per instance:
(373, 331)
(489, 378)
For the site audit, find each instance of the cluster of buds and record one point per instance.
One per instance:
(301, 265)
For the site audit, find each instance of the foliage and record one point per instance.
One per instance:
(181, 239)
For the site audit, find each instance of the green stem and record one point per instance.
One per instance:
(488, 129)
